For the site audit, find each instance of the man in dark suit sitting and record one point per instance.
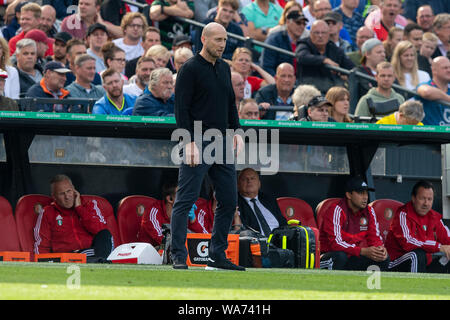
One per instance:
(257, 211)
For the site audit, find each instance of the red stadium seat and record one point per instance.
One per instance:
(297, 209)
(129, 215)
(385, 210)
(323, 207)
(108, 212)
(9, 240)
(27, 210)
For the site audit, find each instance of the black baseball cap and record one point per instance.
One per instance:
(56, 66)
(357, 184)
(180, 39)
(318, 101)
(63, 36)
(333, 16)
(295, 15)
(96, 26)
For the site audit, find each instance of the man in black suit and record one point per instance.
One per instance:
(257, 210)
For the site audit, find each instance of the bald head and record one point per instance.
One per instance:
(320, 33)
(212, 28)
(441, 69)
(363, 34)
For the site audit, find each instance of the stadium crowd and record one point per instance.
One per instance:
(110, 51)
(127, 60)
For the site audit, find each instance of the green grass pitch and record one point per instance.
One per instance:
(55, 281)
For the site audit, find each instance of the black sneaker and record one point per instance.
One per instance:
(179, 265)
(222, 265)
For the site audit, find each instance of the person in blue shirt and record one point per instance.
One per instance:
(158, 99)
(115, 101)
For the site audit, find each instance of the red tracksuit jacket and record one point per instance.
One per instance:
(152, 220)
(66, 230)
(343, 230)
(410, 231)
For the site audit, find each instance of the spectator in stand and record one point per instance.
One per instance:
(256, 209)
(318, 10)
(242, 63)
(48, 19)
(339, 97)
(155, 218)
(144, 68)
(238, 87)
(224, 16)
(317, 110)
(114, 102)
(159, 100)
(11, 88)
(42, 44)
(301, 97)
(350, 235)
(316, 51)
(436, 89)
(425, 17)
(285, 39)
(96, 38)
(29, 72)
(72, 224)
(385, 78)
(179, 58)
(390, 10)
(334, 21)
(60, 47)
(6, 103)
(409, 113)
(352, 20)
(441, 27)
(248, 109)
(62, 7)
(51, 86)
(362, 36)
(373, 54)
(87, 14)
(151, 37)
(404, 61)
(133, 25)
(416, 232)
(179, 42)
(412, 8)
(395, 35)
(429, 45)
(75, 48)
(114, 58)
(262, 15)
(30, 18)
(164, 11)
(290, 6)
(84, 72)
(413, 33)
(279, 93)
(160, 54)
(12, 19)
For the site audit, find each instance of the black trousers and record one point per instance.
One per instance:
(338, 260)
(416, 261)
(102, 245)
(190, 181)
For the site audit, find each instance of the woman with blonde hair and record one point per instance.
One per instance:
(340, 99)
(160, 54)
(241, 62)
(301, 97)
(12, 86)
(404, 61)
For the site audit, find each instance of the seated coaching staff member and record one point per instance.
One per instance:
(257, 210)
(416, 232)
(349, 234)
(70, 224)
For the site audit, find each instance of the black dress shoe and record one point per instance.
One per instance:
(180, 265)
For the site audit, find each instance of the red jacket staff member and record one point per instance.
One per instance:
(417, 233)
(349, 234)
(70, 224)
(152, 230)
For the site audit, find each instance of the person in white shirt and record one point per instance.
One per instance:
(133, 25)
(144, 68)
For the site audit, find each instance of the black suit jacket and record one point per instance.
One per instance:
(248, 216)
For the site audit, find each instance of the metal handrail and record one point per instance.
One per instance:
(28, 102)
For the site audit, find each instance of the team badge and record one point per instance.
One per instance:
(424, 227)
(363, 222)
(290, 211)
(388, 214)
(59, 220)
(140, 209)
